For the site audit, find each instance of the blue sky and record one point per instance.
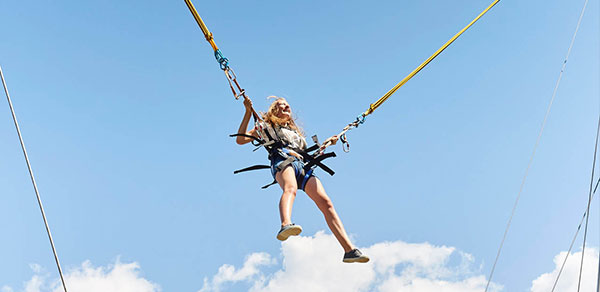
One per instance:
(126, 115)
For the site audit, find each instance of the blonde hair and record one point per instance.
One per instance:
(271, 117)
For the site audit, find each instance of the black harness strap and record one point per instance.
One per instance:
(317, 162)
(256, 140)
(312, 161)
(253, 167)
(273, 145)
(312, 148)
(266, 186)
(269, 135)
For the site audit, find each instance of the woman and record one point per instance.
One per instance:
(278, 120)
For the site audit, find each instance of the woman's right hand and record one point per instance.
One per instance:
(248, 104)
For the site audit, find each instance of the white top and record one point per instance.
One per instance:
(289, 137)
(292, 138)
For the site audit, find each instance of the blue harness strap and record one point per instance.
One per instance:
(306, 177)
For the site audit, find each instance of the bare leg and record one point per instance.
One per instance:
(314, 189)
(287, 181)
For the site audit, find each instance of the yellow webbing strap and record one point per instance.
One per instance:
(207, 34)
(236, 89)
(376, 104)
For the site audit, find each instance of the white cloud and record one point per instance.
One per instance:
(249, 271)
(570, 274)
(36, 268)
(314, 263)
(119, 277)
(35, 284)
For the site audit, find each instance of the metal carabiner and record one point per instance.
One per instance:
(345, 144)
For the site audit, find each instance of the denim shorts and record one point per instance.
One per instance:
(297, 164)
(278, 159)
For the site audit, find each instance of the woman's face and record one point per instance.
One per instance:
(283, 110)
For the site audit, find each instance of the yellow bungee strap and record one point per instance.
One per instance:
(207, 34)
(387, 95)
(236, 89)
(372, 107)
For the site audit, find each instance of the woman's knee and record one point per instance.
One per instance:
(290, 190)
(324, 203)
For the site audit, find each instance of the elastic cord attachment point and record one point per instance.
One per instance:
(360, 120)
(209, 37)
(223, 62)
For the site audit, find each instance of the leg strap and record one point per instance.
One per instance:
(266, 186)
(253, 167)
(280, 167)
(285, 163)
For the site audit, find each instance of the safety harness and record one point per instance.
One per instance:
(271, 139)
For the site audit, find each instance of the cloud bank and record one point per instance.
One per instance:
(570, 275)
(118, 277)
(314, 264)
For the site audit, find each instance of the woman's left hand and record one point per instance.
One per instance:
(333, 139)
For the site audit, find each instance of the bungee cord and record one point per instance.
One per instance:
(235, 87)
(537, 142)
(380, 101)
(372, 107)
(35, 188)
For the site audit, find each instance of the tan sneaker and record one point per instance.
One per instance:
(288, 230)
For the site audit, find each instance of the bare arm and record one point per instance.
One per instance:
(244, 124)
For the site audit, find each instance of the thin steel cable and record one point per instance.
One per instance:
(35, 188)
(573, 241)
(598, 277)
(587, 218)
(562, 70)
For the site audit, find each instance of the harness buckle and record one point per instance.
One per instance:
(316, 140)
